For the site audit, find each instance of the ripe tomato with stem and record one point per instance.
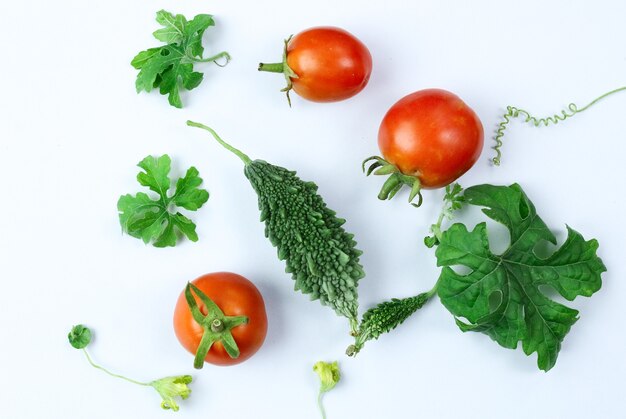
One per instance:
(220, 317)
(428, 139)
(323, 64)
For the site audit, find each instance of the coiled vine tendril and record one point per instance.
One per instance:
(513, 112)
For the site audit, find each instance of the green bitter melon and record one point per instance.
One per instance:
(319, 254)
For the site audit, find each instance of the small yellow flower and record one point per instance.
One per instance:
(171, 387)
(328, 373)
(329, 377)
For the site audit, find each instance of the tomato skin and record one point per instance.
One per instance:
(331, 64)
(431, 134)
(236, 296)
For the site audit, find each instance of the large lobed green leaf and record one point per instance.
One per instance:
(501, 296)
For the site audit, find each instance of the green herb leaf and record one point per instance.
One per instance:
(150, 219)
(501, 297)
(171, 65)
(173, 27)
(79, 336)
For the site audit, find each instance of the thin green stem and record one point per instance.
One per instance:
(432, 291)
(354, 326)
(452, 201)
(320, 404)
(436, 228)
(246, 160)
(212, 59)
(598, 99)
(513, 112)
(130, 380)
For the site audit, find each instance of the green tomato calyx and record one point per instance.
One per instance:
(217, 326)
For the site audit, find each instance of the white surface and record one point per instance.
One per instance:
(73, 128)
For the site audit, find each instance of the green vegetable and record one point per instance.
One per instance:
(169, 66)
(151, 219)
(329, 377)
(503, 295)
(168, 387)
(319, 253)
(385, 317)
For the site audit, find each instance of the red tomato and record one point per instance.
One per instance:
(330, 64)
(433, 135)
(235, 296)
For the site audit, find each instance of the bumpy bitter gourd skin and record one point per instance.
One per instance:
(320, 255)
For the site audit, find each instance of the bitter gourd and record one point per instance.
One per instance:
(319, 254)
(385, 317)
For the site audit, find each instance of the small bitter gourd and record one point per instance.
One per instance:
(319, 254)
(385, 317)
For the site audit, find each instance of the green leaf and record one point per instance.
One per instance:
(79, 336)
(185, 225)
(156, 173)
(175, 74)
(173, 27)
(171, 66)
(503, 294)
(187, 193)
(194, 32)
(151, 219)
(144, 56)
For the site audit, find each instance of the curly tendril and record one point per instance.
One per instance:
(513, 112)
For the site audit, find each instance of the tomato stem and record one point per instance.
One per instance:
(217, 326)
(395, 181)
(272, 67)
(284, 68)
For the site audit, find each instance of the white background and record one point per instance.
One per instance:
(72, 129)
